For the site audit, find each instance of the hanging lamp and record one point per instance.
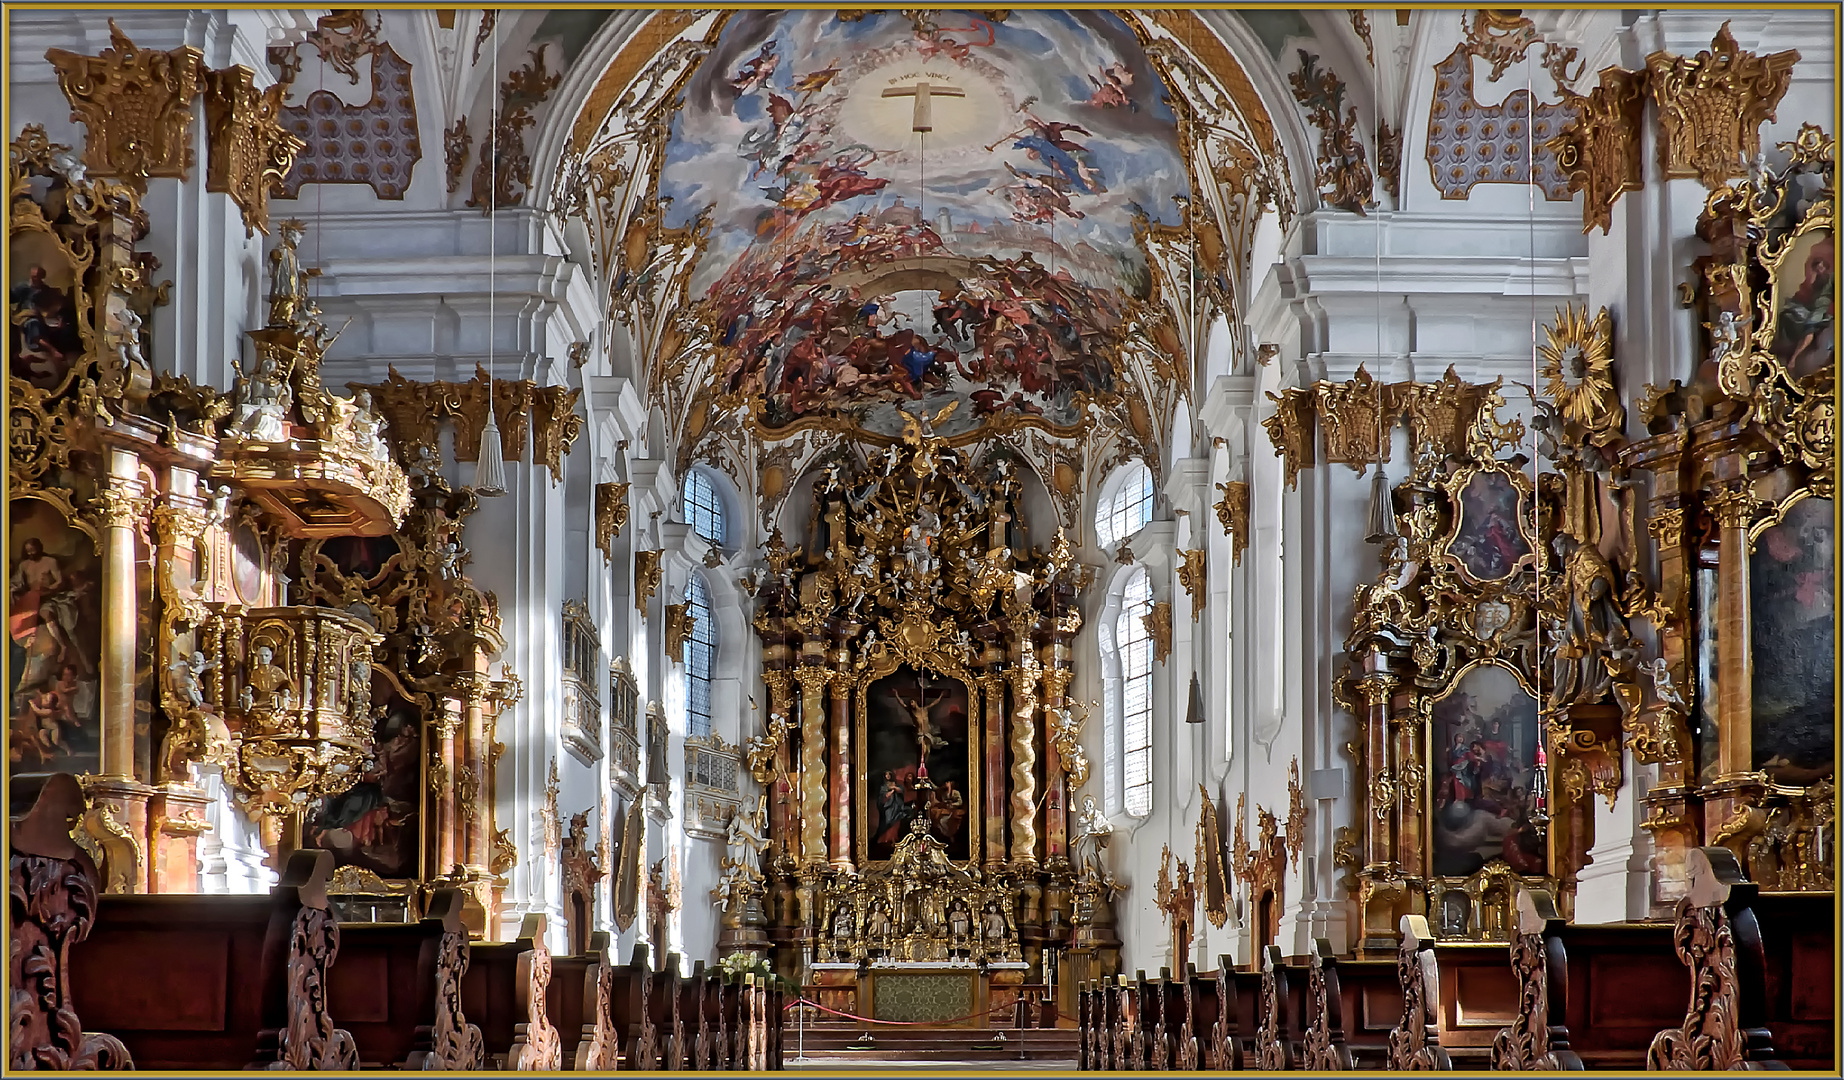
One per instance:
(490, 464)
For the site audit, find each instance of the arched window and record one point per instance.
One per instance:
(700, 656)
(1126, 504)
(703, 507)
(1133, 647)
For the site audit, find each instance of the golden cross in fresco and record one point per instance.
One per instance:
(922, 91)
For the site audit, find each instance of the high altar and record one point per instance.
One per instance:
(919, 744)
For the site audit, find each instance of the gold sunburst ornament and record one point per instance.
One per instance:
(1577, 370)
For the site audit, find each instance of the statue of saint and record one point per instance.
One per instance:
(263, 399)
(267, 685)
(289, 304)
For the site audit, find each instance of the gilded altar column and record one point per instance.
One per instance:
(1729, 816)
(1024, 757)
(993, 684)
(1733, 508)
(841, 760)
(122, 500)
(813, 680)
(444, 758)
(780, 801)
(470, 780)
(1056, 666)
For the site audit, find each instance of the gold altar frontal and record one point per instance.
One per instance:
(959, 995)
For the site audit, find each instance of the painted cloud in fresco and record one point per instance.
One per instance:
(1050, 130)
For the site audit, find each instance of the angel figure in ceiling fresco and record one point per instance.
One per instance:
(1111, 89)
(759, 69)
(1047, 142)
(932, 40)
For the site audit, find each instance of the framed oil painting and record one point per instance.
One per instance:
(1802, 327)
(54, 643)
(1792, 634)
(1487, 542)
(914, 746)
(376, 824)
(45, 342)
(1483, 746)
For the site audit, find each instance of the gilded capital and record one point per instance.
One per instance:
(136, 105)
(1599, 149)
(121, 505)
(646, 577)
(1734, 506)
(176, 525)
(1233, 513)
(250, 151)
(1192, 575)
(611, 513)
(1667, 527)
(1711, 107)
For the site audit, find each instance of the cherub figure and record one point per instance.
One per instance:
(185, 676)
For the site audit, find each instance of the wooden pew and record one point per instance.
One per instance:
(1322, 1041)
(664, 1004)
(397, 989)
(570, 1003)
(1719, 940)
(633, 1009)
(1152, 1020)
(736, 1021)
(497, 994)
(1538, 1039)
(206, 982)
(598, 1043)
(1799, 935)
(55, 884)
(1274, 1049)
(776, 1018)
(1220, 1017)
(1415, 1043)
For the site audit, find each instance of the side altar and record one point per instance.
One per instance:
(919, 746)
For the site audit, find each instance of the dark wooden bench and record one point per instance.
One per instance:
(495, 994)
(1799, 934)
(396, 987)
(204, 982)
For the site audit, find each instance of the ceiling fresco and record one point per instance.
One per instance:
(854, 267)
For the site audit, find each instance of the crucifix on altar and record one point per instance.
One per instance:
(922, 91)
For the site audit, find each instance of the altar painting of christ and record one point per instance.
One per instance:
(1484, 750)
(906, 712)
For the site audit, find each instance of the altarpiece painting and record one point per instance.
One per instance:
(916, 730)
